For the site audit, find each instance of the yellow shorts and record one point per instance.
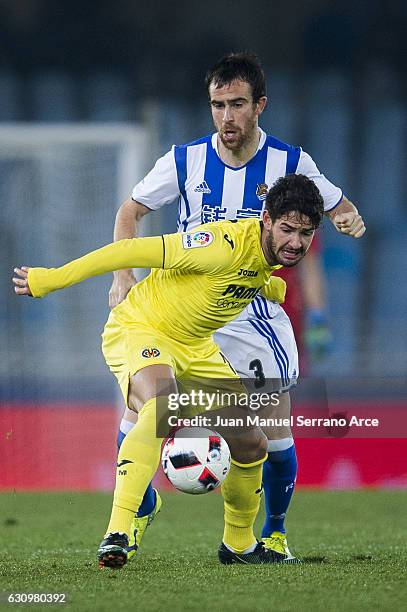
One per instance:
(128, 349)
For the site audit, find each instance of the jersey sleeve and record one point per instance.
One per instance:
(203, 251)
(160, 185)
(132, 253)
(275, 289)
(331, 194)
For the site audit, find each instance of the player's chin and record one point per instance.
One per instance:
(232, 143)
(288, 261)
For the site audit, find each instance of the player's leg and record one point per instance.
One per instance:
(138, 458)
(279, 475)
(264, 349)
(151, 504)
(242, 487)
(248, 445)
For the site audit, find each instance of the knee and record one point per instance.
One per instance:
(134, 400)
(250, 447)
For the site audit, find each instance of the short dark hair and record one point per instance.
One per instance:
(243, 66)
(295, 193)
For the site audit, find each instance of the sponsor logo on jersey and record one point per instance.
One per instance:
(247, 272)
(240, 292)
(150, 352)
(224, 303)
(261, 191)
(203, 188)
(198, 239)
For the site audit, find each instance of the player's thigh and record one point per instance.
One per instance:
(262, 350)
(151, 381)
(141, 359)
(209, 373)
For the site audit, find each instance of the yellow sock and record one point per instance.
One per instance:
(241, 495)
(137, 463)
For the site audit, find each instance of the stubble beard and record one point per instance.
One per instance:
(237, 145)
(273, 257)
(243, 137)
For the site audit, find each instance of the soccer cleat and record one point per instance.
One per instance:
(260, 556)
(139, 525)
(278, 543)
(112, 551)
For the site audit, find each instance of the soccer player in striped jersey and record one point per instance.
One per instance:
(226, 175)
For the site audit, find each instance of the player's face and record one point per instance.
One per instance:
(287, 239)
(234, 113)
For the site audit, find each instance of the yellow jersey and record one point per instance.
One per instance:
(200, 280)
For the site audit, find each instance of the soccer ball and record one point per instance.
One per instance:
(195, 460)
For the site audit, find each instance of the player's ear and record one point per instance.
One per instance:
(261, 105)
(267, 222)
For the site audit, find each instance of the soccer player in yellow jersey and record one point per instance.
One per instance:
(163, 331)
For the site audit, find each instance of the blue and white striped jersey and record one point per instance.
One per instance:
(208, 190)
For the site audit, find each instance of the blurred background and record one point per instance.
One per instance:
(90, 95)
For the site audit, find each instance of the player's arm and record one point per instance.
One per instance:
(132, 253)
(158, 188)
(172, 251)
(126, 225)
(343, 214)
(317, 335)
(202, 251)
(346, 219)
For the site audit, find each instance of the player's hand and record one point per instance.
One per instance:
(20, 281)
(317, 335)
(350, 223)
(123, 281)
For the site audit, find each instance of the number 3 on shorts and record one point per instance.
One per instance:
(257, 368)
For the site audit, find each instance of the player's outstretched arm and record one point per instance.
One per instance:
(126, 225)
(20, 281)
(135, 253)
(346, 219)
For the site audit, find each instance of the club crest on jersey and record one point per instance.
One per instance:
(261, 191)
(150, 352)
(203, 188)
(198, 239)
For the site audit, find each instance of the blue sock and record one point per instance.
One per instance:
(279, 473)
(149, 499)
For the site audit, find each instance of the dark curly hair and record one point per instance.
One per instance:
(295, 193)
(238, 67)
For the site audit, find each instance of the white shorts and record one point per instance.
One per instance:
(260, 344)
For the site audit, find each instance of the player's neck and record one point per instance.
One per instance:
(239, 157)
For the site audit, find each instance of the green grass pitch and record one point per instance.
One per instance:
(353, 545)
